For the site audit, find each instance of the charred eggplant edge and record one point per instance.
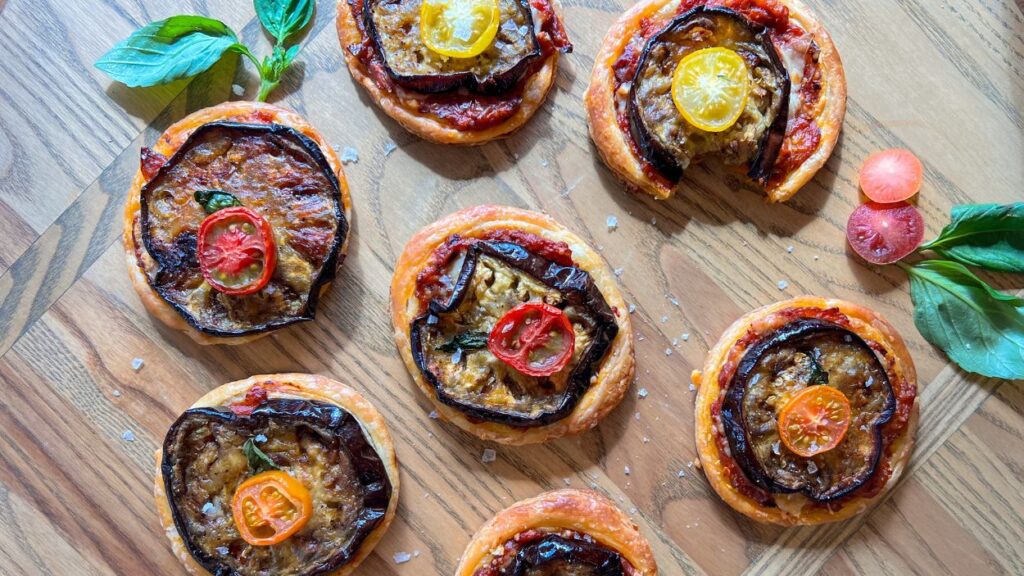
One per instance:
(732, 412)
(365, 459)
(574, 282)
(771, 142)
(328, 269)
(554, 547)
(438, 83)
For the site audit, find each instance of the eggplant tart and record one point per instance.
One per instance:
(236, 222)
(806, 411)
(283, 474)
(756, 84)
(578, 532)
(454, 71)
(511, 324)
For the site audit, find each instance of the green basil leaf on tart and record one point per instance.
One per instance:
(243, 226)
(284, 481)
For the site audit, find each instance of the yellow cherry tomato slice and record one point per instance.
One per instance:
(270, 507)
(710, 88)
(459, 28)
(814, 420)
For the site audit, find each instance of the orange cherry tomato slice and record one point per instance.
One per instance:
(814, 420)
(885, 233)
(236, 251)
(891, 176)
(535, 338)
(270, 507)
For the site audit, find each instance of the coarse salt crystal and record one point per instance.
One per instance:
(668, 351)
(488, 456)
(137, 364)
(237, 89)
(789, 249)
(389, 147)
(627, 470)
(641, 393)
(116, 393)
(686, 336)
(619, 271)
(433, 415)
(632, 308)
(349, 155)
(128, 436)
(402, 557)
(681, 474)
(692, 387)
(782, 284)
(612, 223)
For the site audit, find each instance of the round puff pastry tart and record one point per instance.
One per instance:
(290, 474)
(236, 222)
(806, 411)
(454, 71)
(578, 532)
(511, 324)
(752, 83)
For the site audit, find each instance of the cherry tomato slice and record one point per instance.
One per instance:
(814, 420)
(236, 251)
(891, 175)
(884, 233)
(535, 338)
(270, 507)
(459, 28)
(710, 88)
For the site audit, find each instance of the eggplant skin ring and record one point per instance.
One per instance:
(303, 387)
(401, 105)
(581, 512)
(136, 255)
(898, 432)
(612, 376)
(617, 146)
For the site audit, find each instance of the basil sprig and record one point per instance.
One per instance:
(213, 200)
(978, 327)
(258, 459)
(183, 46)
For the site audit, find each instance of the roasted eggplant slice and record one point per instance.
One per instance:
(276, 172)
(557, 554)
(664, 137)
(318, 444)
(394, 26)
(804, 353)
(449, 341)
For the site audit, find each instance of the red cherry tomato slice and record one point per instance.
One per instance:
(884, 233)
(891, 176)
(236, 251)
(535, 338)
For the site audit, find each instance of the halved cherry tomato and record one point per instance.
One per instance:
(891, 175)
(884, 233)
(236, 251)
(814, 420)
(459, 28)
(535, 338)
(270, 507)
(710, 88)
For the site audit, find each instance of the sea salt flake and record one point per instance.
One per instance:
(260, 438)
(128, 436)
(632, 308)
(645, 439)
(567, 481)
(692, 387)
(664, 319)
(812, 467)
(619, 271)
(389, 147)
(627, 471)
(776, 448)
(210, 509)
(116, 393)
(636, 416)
(488, 456)
(433, 415)
(238, 89)
(402, 557)
(223, 550)
(681, 474)
(668, 351)
(782, 284)
(612, 223)
(137, 364)
(632, 510)
(789, 249)
(641, 393)
(349, 155)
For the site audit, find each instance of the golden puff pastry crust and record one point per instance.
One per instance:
(899, 367)
(582, 511)
(615, 146)
(615, 373)
(168, 143)
(405, 111)
(305, 387)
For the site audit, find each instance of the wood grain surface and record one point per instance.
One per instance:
(78, 426)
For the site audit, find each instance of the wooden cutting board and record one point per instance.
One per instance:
(78, 426)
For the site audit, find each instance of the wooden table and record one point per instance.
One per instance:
(78, 426)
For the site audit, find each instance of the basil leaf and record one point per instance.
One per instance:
(213, 200)
(284, 18)
(984, 235)
(818, 374)
(258, 459)
(465, 341)
(978, 327)
(167, 50)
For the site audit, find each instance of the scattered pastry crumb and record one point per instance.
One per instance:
(137, 364)
(128, 436)
(349, 155)
(488, 456)
(415, 553)
(782, 284)
(402, 557)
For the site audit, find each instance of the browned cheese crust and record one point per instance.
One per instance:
(168, 143)
(306, 387)
(583, 511)
(402, 106)
(865, 324)
(615, 147)
(610, 381)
